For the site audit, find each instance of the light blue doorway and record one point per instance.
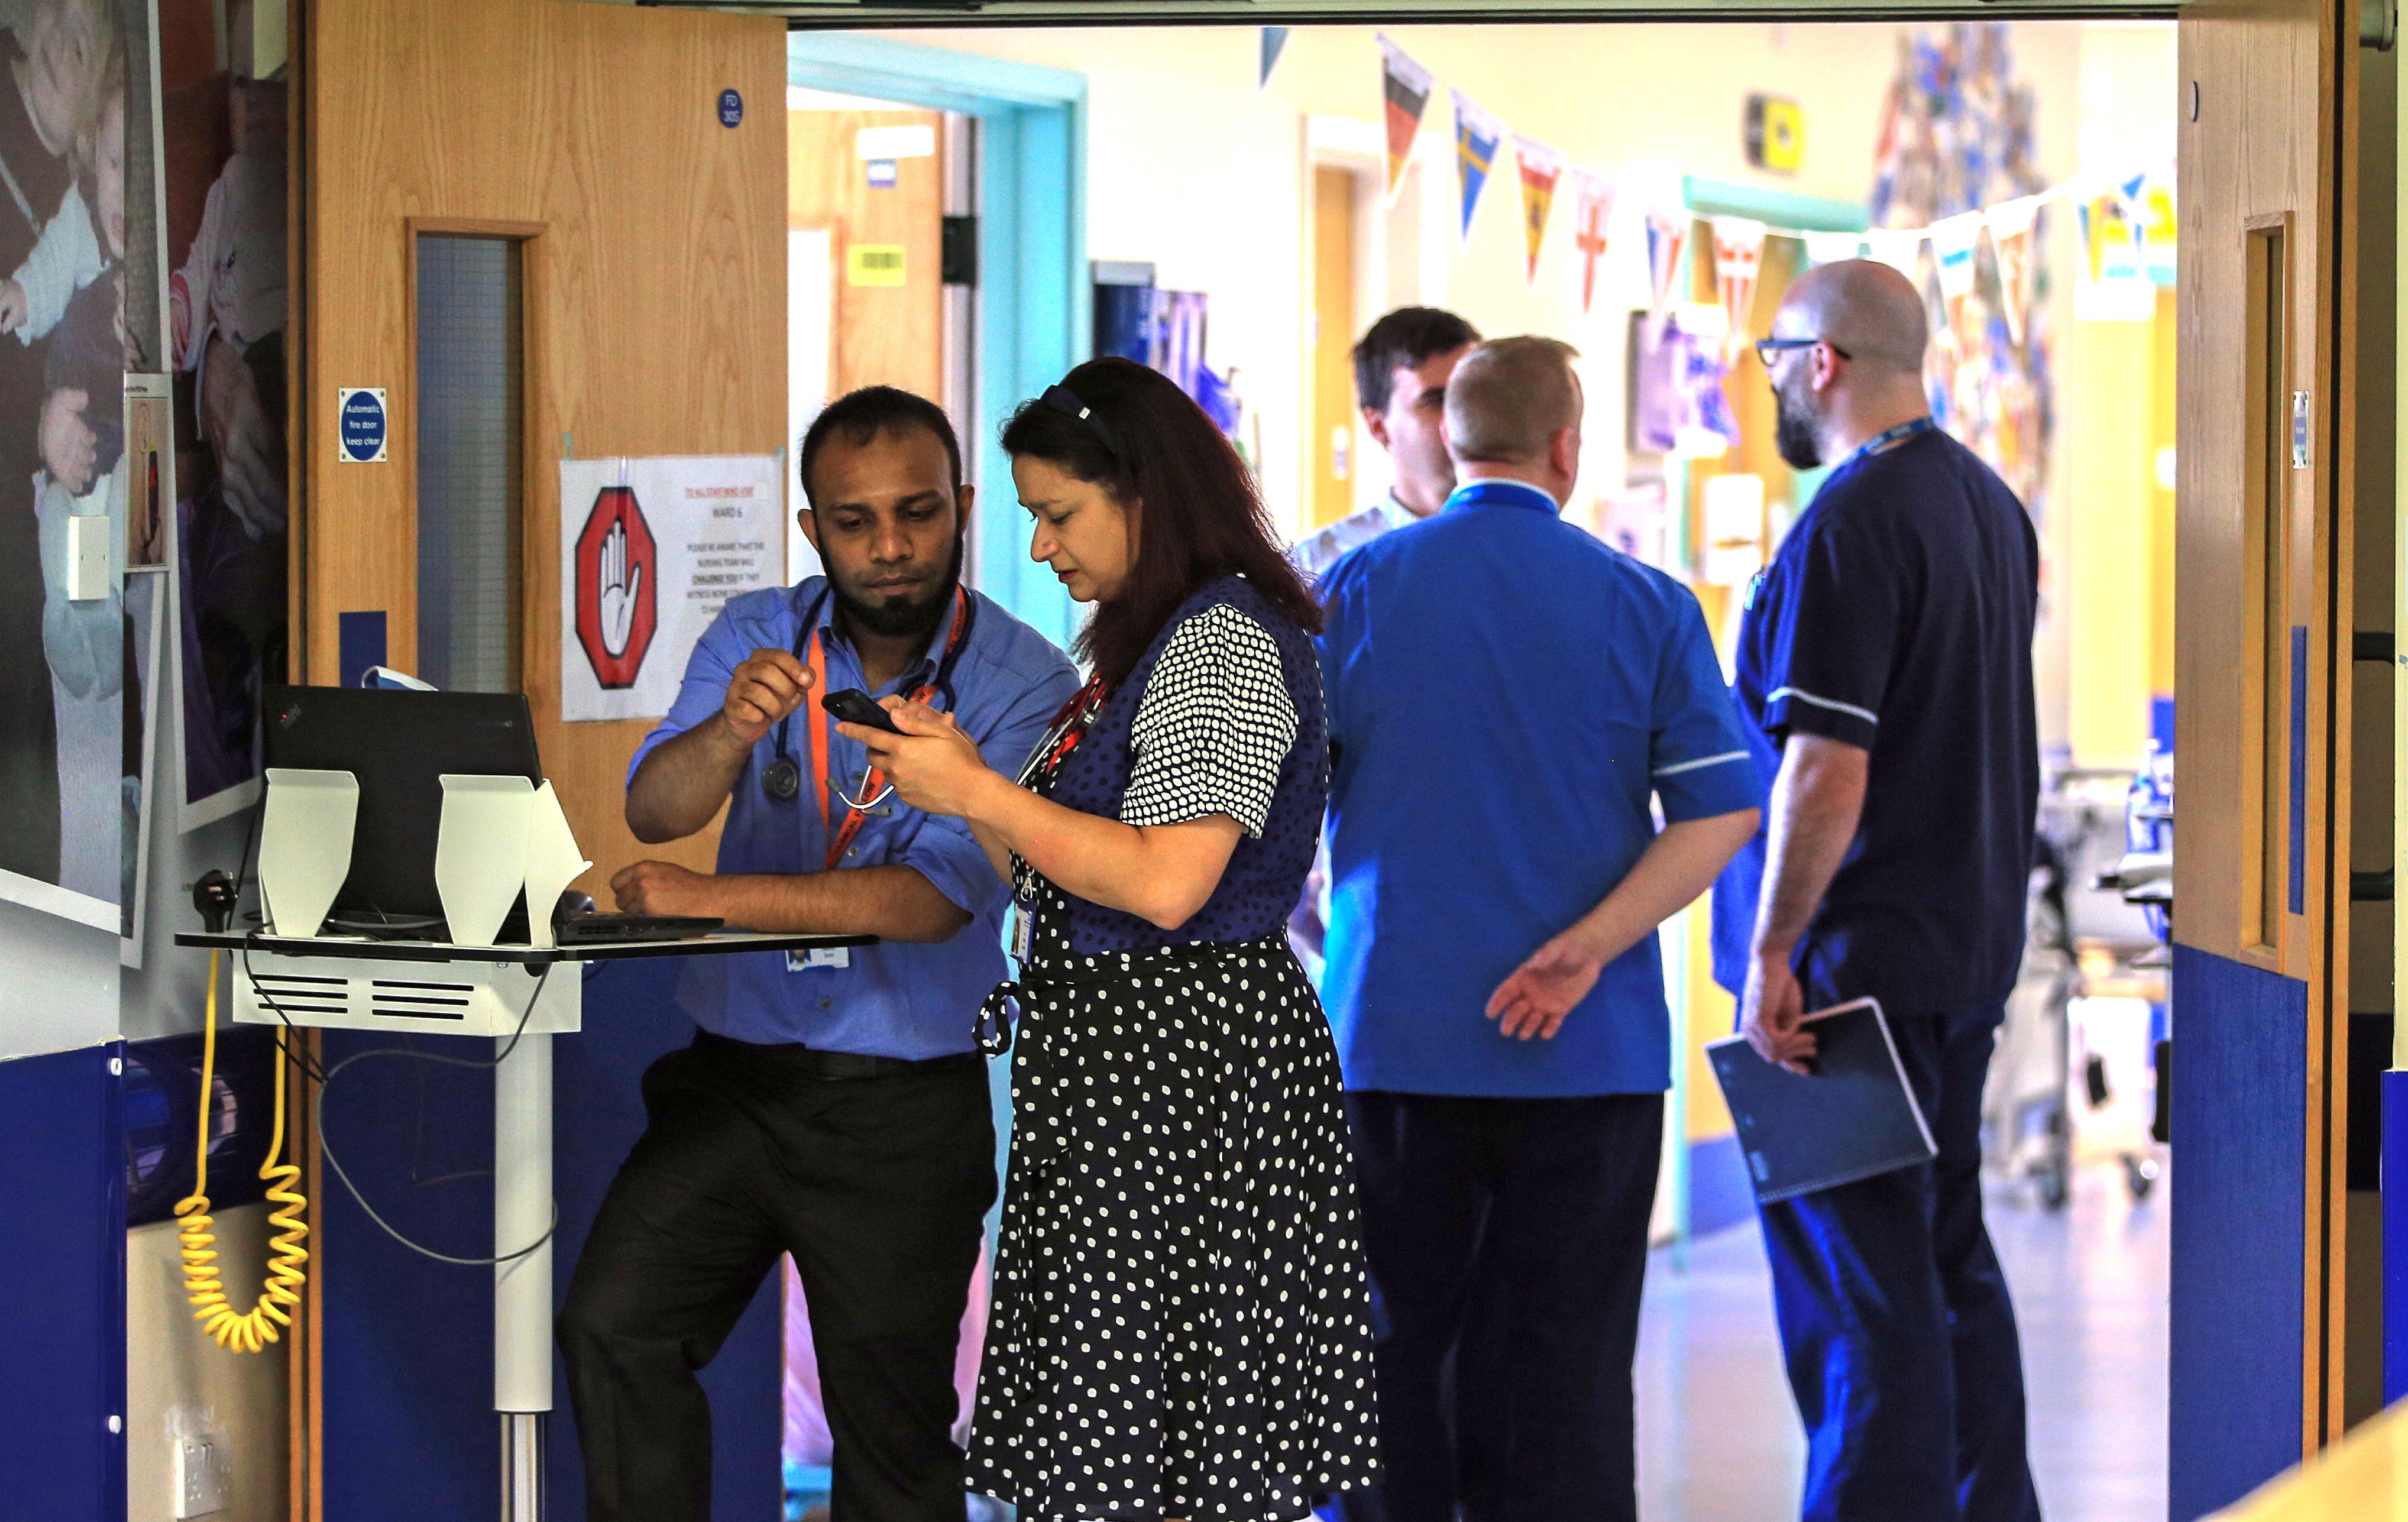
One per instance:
(1034, 305)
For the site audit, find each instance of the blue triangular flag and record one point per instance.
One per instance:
(1274, 40)
(1476, 137)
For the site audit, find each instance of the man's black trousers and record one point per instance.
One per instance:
(878, 1187)
(1508, 1245)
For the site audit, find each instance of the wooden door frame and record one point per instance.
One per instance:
(1036, 305)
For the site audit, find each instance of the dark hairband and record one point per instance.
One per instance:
(1062, 399)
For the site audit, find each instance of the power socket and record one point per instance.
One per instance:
(202, 1477)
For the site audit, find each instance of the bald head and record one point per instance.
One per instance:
(1509, 399)
(1864, 308)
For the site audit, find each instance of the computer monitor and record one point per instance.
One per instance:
(398, 744)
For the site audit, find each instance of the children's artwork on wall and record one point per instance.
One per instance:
(1677, 404)
(1637, 523)
(223, 139)
(79, 73)
(1957, 138)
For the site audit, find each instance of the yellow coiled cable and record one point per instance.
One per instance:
(252, 1330)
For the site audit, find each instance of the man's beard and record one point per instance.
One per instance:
(1794, 434)
(916, 616)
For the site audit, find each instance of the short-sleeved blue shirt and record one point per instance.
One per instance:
(1506, 693)
(894, 999)
(1897, 616)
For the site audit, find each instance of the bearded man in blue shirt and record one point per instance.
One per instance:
(833, 1105)
(1885, 669)
(1507, 693)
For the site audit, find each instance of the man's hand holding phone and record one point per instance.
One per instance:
(769, 685)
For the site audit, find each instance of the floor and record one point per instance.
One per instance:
(1718, 1438)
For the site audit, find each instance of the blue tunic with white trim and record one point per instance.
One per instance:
(1897, 616)
(1507, 696)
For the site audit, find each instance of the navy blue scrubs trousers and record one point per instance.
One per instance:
(1895, 1321)
(1508, 1244)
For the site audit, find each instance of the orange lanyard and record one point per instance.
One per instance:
(840, 837)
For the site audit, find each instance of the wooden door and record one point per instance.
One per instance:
(1334, 327)
(2265, 554)
(653, 255)
(886, 219)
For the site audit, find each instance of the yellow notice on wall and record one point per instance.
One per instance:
(874, 264)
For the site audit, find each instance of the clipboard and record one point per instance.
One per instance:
(1854, 1117)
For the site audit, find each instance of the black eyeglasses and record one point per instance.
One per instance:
(1767, 348)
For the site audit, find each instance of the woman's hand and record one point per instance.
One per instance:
(933, 765)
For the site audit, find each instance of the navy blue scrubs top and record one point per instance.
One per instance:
(1897, 616)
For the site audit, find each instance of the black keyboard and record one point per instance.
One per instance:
(613, 929)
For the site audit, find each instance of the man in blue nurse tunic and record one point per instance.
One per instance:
(832, 1105)
(1509, 696)
(1885, 669)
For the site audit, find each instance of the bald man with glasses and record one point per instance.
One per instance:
(1884, 675)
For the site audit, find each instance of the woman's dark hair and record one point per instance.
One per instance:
(1199, 517)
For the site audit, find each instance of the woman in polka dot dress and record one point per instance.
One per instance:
(1181, 1328)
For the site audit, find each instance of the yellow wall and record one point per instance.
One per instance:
(2107, 377)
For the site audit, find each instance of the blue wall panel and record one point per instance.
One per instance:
(410, 1426)
(63, 1278)
(2240, 1180)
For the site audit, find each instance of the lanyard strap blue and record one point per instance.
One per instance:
(1881, 443)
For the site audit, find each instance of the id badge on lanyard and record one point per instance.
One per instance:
(1061, 737)
(840, 837)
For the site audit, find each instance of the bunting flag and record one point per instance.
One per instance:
(1476, 137)
(1668, 240)
(2151, 215)
(2091, 215)
(2132, 206)
(1738, 257)
(2011, 239)
(1831, 248)
(1901, 248)
(1955, 242)
(1274, 43)
(1593, 208)
(1405, 87)
(1541, 167)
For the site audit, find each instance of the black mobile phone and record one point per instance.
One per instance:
(854, 706)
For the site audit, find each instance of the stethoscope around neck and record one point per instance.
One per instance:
(782, 778)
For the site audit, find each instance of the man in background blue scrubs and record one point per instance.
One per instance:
(833, 1105)
(1506, 694)
(1884, 663)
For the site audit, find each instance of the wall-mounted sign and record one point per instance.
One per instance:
(360, 424)
(910, 141)
(874, 264)
(1776, 134)
(731, 109)
(883, 175)
(649, 551)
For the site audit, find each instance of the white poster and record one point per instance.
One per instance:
(649, 551)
